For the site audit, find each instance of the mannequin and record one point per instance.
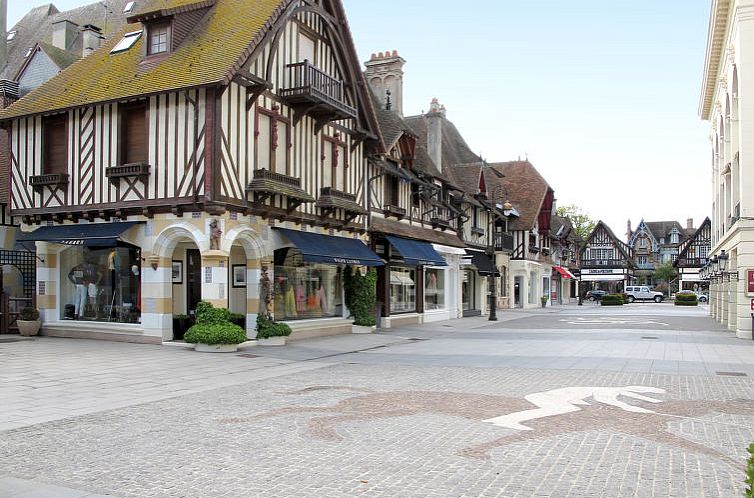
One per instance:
(81, 276)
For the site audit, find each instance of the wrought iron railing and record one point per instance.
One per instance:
(305, 82)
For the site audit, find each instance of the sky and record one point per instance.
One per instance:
(601, 97)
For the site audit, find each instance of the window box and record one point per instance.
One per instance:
(53, 180)
(439, 223)
(394, 211)
(138, 170)
(477, 231)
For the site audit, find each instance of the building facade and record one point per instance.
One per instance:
(726, 86)
(606, 262)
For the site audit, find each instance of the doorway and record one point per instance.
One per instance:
(193, 280)
(517, 292)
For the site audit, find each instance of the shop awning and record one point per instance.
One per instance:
(416, 252)
(563, 272)
(317, 248)
(86, 234)
(483, 263)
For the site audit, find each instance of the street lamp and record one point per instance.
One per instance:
(491, 277)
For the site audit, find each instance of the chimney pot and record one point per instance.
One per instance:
(384, 73)
(64, 33)
(690, 223)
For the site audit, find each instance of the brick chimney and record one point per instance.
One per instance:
(91, 39)
(689, 223)
(3, 39)
(64, 33)
(435, 117)
(629, 232)
(384, 74)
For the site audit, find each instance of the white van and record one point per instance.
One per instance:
(642, 292)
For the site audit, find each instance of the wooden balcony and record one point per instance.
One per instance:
(394, 211)
(603, 263)
(52, 180)
(438, 222)
(267, 183)
(504, 242)
(330, 200)
(311, 91)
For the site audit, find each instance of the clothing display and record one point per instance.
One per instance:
(290, 303)
(79, 299)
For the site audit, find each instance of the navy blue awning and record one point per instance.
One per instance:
(317, 248)
(86, 234)
(416, 252)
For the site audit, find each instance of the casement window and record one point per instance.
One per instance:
(158, 38)
(55, 144)
(334, 162)
(475, 217)
(272, 137)
(133, 133)
(307, 48)
(392, 186)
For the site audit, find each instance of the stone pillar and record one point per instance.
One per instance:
(215, 277)
(253, 277)
(725, 303)
(157, 297)
(47, 283)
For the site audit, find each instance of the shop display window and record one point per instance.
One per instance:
(306, 290)
(434, 289)
(402, 289)
(468, 290)
(101, 284)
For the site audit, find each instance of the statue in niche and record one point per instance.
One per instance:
(214, 234)
(265, 294)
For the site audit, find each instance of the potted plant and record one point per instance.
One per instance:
(213, 331)
(361, 296)
(28, 321)
(270, 332)
(544, 300)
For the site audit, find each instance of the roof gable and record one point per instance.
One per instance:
(526, 189)
(601, 231)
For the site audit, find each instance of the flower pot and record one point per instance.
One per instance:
(215, 348)
(278, 340)
(362, 329)
(28, 327)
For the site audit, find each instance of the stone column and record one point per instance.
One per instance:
(215, 277)
(253, 277)
(47, 283)
(157, 297)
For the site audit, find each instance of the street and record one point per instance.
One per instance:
(640, 400)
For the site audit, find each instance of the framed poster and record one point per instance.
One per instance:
(177, 272)
(239, 276)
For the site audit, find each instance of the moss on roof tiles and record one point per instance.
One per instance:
(205, 57)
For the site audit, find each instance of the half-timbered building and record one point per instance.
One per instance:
(656, 243)
(209, 143)
(605, 262)
(565, 245)
(692, 256)
(530, 261)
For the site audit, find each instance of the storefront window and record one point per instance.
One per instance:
(306, 290)
(100, 284)
(503, 281)
(434, 289)
(468, 290)
(402, 289)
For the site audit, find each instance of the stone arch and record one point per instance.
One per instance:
(249, 240)
(166, 240)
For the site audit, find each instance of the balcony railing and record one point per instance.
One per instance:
(692, 262)
(52, 180)
(394, 211)
(645, 266)
(602, 263)
(307, 84)
(138, 170)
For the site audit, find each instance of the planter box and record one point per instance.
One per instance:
(272, 341)
(28, 327)
(215, 348)
(362, 329)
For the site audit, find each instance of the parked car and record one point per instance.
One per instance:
(595, 295)
(642, 293)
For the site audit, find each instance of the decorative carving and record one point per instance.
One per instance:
(214, 235)
(265, 293)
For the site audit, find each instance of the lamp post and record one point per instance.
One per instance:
(491, 249)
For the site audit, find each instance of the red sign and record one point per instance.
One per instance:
(750, 281)
(752, 305)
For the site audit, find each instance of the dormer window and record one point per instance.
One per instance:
(159, 38)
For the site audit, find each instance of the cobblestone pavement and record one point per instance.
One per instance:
(412, 412)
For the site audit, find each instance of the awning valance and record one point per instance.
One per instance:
(86, 234)
(483, 263)
(416, 252)
(318, 248)
(563, 272)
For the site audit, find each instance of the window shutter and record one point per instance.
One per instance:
(134, 135)
(55, 145)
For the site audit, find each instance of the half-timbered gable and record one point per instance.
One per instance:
(605, 258)
(693, 255)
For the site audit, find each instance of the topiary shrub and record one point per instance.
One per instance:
(267, 328)
(361, 295)
(685, 299)
(612, 300)
(213, 326)
(29, 314)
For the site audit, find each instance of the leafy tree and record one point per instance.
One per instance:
(582, 223)
(665, 273)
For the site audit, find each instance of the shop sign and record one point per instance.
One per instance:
(602, 271)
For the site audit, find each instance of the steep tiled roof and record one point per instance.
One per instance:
(661, 229)
(36, 28)
(464, 176)
(392, 125)
(207, 55)
(526, 190)
(454, 147)
(447, 238)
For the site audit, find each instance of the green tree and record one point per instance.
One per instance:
(665, 273)
(582, 223)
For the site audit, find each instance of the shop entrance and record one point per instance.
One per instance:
(193, 280)
(17, 285)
